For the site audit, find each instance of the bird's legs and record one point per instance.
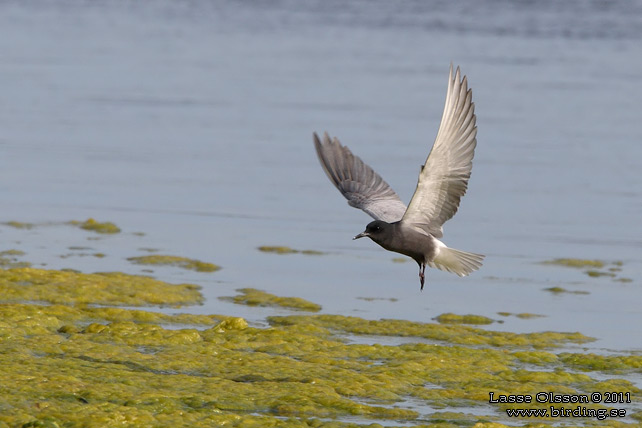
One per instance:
(422, 268)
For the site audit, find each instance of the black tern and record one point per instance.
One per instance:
(443, 180)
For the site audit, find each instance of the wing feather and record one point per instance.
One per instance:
(443, 179)
(357, 182)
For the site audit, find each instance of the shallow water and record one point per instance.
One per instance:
(191, 122)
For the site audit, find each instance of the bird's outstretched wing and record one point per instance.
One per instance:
(443, 179)
(357, 182)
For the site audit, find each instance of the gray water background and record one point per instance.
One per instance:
(192, 121)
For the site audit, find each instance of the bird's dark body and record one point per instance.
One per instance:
(399, 238)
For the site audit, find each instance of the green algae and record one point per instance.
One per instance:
(12, 253)
(89, 224)
(19, 224)
(254, 297)
(70, 363)
(522, 315)
(372, 299)
(9, 259)
(562, 290)
(277, 249)
(287, 250)
(70, 316)
(575, 263)
(450, 318)
(95, 226)
(597, 274)
(400, 260)
(528, 315)
(149, 250)
(66, 287)
(593, 265)
(78, 254)
(556, 290)
(312, 252)
(541, 358)
(458, 334)
(80, 251)
(104, 373)
(181, 262)
(604, 363)
(111, 367)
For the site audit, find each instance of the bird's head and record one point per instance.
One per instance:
(375, 230)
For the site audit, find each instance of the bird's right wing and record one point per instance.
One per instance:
(357, 182)
(444, 178)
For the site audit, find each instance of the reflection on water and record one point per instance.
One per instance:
(192, 122)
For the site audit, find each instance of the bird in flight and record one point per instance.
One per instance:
(415, 230)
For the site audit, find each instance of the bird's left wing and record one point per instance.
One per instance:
(357, 182)
(443, 179)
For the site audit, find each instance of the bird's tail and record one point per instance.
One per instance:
(455, 261)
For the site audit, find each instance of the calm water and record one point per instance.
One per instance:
(192, 121)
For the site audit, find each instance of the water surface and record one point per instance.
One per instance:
(192, 122)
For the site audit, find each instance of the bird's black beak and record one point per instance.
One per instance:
(361, 235)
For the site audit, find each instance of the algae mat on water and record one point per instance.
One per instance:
(114, 288)
(181, 262)
(95, 226)
(592, 266)
(254, 297)
(107, 367)
(68, 363)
